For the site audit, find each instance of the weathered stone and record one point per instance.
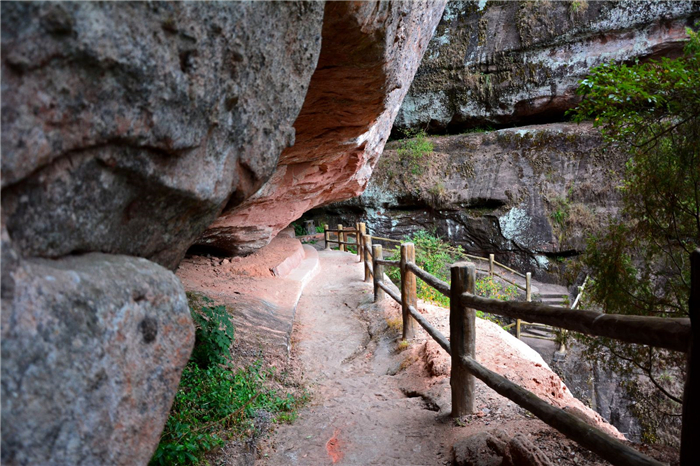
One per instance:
(92, 350)
(128, 127)
(505, 63)
(480, 449)
(369, 55)
(529, 195)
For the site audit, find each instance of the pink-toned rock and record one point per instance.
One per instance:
(369, 55)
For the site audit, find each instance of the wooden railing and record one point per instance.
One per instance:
(675, 334)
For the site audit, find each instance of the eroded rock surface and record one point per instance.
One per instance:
(505, 63)
(127, 127)
(369, 55)
(529, 195)
(92, 350)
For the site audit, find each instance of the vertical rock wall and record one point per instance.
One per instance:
(126, 129)
(519, 62)
(369, 55)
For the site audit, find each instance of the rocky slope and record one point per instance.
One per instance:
(127, 128)
(513, 63)
(369, 55)
(529, 195)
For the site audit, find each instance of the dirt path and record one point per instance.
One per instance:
(358, 414)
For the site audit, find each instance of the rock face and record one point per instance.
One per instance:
(126, 129)
(92, 350)
(505, 63)
(529, 195)
(369, 55)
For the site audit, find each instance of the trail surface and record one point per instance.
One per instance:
(358, 414)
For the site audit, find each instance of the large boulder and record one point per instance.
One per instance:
(369, 55)
(128, 127)
(506, 63)
(92, 350)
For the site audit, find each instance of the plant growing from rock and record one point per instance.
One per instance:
(641, 262)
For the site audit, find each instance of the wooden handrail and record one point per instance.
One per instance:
(389, 291)
(669, 333)
(432, 331)
(431, 280)
(590, 437)
(389, 263)
(352, 232)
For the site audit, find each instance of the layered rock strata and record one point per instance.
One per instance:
(530, 195)
(369, 55)
(126, 129)
(513, 63)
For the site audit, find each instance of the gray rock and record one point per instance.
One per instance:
(128, 127)
(369, 56)
(505, 63)
(528, 195)
(92, 351)
(481, 449)
(522, 452)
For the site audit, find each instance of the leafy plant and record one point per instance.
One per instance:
(414, 148)
(213, 335)
(641, 262)
(214, 400)
(489, 287)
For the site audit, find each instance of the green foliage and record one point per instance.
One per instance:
(641, 262)
(214, 400)
(435, 256)
(299, 229)
(319, 229)
(414, 148)
(489, 287)
(213, 335)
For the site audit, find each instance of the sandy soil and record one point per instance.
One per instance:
(372, 400)
(376, 404)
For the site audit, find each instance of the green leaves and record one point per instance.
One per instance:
(214, 335)
(215, 401)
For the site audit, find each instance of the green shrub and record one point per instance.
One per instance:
(414, 148)
(488, 287)
(214, 400)
(213, 335)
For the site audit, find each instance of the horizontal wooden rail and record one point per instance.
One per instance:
(509, 269)
(389, 263)
(590, 437)
(347, 243)
(389, 291)
(431, 280)
(386, 239)
(669, 333)
(432, 331)
(469, 256)
(506, 280)
(352, 232)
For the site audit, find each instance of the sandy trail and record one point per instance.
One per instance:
(358, 414)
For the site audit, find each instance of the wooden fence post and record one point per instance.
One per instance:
(360, 238)
(367, 248)
(691, 403)
(528, 298)
(327, 236)
(462, 338)
(408, 289)
(378, 272)
(341, 238)
(491, 265)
